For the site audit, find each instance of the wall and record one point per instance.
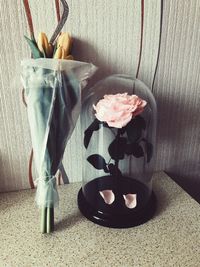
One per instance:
(108, 34)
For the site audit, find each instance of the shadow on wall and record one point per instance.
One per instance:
(10, 173)
(84, 51)
(4, 165)
(1, 173)
(177, 134)
(176, 120)
(190, 181)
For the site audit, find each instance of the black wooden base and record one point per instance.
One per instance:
(134, 218)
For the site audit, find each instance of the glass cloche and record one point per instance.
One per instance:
(119, 134)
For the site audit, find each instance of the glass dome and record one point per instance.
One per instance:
(118, 153)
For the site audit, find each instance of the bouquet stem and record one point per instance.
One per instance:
(43, 220)
(47, 220)
(50, 220)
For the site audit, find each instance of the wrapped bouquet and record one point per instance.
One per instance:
(52, 81)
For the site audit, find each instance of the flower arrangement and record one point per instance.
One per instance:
(43, 49)
(52, 81)
(118, 122)
(118, 110)
(121, 114)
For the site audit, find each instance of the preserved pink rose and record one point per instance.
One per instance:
(118, 110)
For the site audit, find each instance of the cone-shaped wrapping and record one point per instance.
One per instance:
(53, 94)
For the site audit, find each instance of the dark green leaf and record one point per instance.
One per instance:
(134, 129)
(94, 126)
(137, 150)
(34, 48)
(117, 148)
(114, 170)
(97, 162)
(87, 137)
(129, 149)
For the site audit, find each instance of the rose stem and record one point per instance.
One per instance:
(117, 191)
(117, 161)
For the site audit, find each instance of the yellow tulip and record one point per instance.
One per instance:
(65, 41)
(70, 57)
(44, 46)
(58, 53)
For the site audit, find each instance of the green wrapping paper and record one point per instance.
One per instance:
(53, 95)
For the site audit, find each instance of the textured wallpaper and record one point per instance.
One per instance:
(107, 33)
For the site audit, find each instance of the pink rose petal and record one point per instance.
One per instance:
(118, 110)
(130, 200)
(108, 196)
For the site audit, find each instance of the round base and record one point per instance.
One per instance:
(132, 218)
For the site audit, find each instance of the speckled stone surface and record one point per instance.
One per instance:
(171, 238)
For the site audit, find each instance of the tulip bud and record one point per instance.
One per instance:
(44, 45)
(65, 41)
(58, 53)
(70, 57)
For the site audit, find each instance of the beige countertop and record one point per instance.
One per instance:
(171, 238)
